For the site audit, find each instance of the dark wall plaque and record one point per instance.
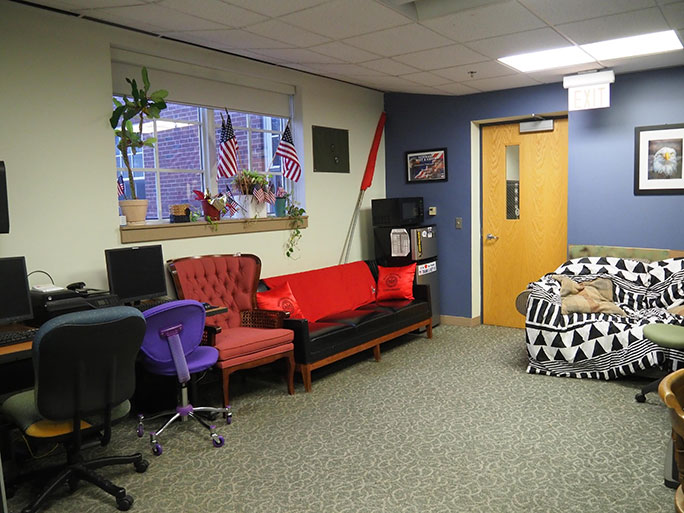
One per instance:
(330, 150)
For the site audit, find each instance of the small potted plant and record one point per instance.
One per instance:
(295, 213)
(144, 105)
(281, 202)
(252, 191)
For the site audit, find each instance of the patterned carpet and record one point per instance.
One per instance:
(452, 424)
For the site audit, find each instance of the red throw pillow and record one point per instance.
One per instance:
(395, 282)
(280, 298)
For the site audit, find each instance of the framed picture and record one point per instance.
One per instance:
(658, 159)
(426, 166)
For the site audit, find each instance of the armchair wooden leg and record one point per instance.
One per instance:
(290, 373)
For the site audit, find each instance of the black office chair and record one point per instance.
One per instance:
(84, 366)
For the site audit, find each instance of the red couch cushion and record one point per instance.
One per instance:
(280, 298)
(329, 290)
(396, 282)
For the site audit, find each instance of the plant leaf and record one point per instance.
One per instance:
(159, 94)
(114, 120)
(146, 80)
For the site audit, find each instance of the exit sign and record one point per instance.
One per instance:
(589, 97)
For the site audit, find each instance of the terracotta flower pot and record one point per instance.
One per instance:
(134, 210)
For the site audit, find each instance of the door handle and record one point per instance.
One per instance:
(492, 237)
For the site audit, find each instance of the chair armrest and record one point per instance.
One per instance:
(262, 318)
(209, 335)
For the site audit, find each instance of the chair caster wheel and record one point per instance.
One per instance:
(218, 440)
(124, 503)
(229, 418)
(141, 466)
(140, 430)
(157, 449)
(640, 398)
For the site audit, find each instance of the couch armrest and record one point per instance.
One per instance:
(262, 318)
(300, 327)
(209, 335)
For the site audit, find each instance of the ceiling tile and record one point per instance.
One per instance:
(346, 18)
(389, 66)
(80, 5)
(152, 16)
(287, 33)
(344, 52)
(556, 75)
(496, 84)
(512, 44)
(426, 78)
(674, 15)
(457, 89)
(645, 62)
(215, 10)
(483, 22)
(438, 58)
(229, 38)
(555, 12)
(613, 27)
(299, 55)
(398, 40)
(277, 8)
(345, 68)
(487, 69)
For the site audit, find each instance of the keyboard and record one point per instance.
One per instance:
(8, 338)
(151, 303)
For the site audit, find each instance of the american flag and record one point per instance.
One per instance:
(291, 167)
(270, 196)
(259, 194)
(120, 185)
(227, 150)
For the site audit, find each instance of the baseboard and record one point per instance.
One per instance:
(452, 320)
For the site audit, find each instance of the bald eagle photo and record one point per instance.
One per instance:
(666, 162)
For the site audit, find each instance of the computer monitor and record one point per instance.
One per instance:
(15, 299)
(136, 273)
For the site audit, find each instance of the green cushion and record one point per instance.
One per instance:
(666, 335)
(21, 409)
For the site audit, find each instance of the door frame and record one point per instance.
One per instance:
(476, 205)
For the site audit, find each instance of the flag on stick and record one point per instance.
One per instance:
(227, 150)
(270, 196)
(120, 185)
(291, 167)
(258, 193)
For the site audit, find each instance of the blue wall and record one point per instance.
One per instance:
(602, 206)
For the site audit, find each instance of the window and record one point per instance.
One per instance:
(181, 161)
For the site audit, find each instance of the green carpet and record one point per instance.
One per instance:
(452, 424)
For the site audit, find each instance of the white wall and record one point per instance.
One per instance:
(55, 139)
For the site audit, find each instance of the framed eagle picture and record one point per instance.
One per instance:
(658, 159)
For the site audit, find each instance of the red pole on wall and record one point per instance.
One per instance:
(365, 184)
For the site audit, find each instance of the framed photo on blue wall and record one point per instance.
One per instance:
(658, 159)
(426, 166)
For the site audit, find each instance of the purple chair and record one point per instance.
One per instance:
(171, 347)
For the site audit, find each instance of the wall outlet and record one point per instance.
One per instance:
(459, 223)
(432, 211)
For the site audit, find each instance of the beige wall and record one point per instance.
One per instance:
(55, 101)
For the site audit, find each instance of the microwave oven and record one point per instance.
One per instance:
(397, 211)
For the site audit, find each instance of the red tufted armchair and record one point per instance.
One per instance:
(244, 336)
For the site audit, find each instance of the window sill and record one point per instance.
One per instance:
(163, 230)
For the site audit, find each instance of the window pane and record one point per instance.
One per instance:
(513, 182)
(177, 188)
(179, 148)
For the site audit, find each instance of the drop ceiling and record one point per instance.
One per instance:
(447, 47)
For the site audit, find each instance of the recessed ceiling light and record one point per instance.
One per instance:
(644, 44)
(547, 59)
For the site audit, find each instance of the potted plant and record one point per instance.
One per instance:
(281, 202)
(252, 191)
(295, 213)
(145, 105)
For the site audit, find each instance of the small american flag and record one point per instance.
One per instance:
(291, 167)
(270, 196)
(227, 150)
(120, 185)
(259, 194)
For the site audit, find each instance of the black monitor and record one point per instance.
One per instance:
(136, 273)
(15, 299)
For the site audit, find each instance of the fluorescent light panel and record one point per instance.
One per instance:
(547, 59)
(645, 44)
(656, 42)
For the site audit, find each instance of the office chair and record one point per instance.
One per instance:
(172, 348)
(84, 367)
(244, 336)
(669, 336)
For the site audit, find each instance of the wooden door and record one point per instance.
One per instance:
(518, 251)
